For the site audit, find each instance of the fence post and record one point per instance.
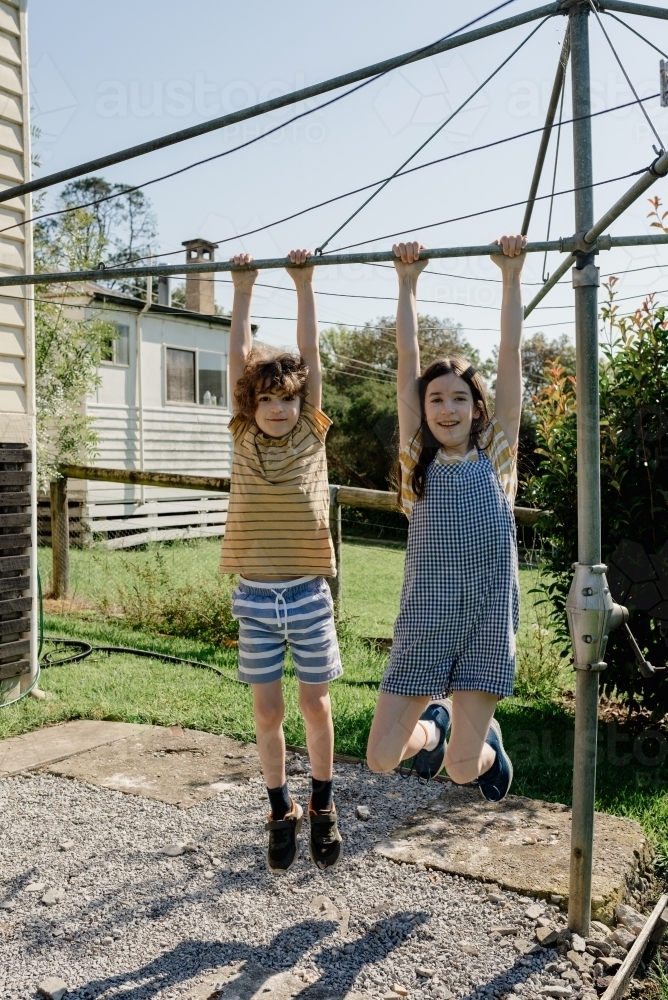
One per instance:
(335, 582)
(60, 539)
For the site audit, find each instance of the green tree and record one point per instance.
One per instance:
(634, 489)
(359, 393)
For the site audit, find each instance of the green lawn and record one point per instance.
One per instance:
(538, 728)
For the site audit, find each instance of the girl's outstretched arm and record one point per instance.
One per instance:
(408, 268)
(508, 409)
(241, 335)
(308, 335)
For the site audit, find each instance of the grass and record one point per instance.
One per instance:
(537, 725)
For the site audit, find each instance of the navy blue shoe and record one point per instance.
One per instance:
(495, 784)
(428, 763)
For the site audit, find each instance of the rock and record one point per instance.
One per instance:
(494, 897)
(557, 900)
(363, 813)
(558, 992)
(603, 982)
(209, 874)
(533, 948)
(442, 993)
(173, 850)
(349, 948)
(570, 975)
(295, 767)
(601, 928)
(603, 947)
(53, 896)
(52, 988)
(630, 918)
(7, 906)
(107, 940)
(577, 960)
(190, 847)
(504, 929)
(543, 922)
(623, 937)
(534, 911)
(401, 991)
(468, 948)
(578, 943)
(66, 845)
(546, 936)
(593, 950)
(35, 887)
(425, 972)
(519, 944)
(610, 964)
(390, 995)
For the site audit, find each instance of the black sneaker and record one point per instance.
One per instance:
(428, 763)
(495, 783)
(325, 845)
(283, 847)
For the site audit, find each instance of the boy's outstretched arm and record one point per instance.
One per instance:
(308, 335)
(241, 335)
(408, 267)
(508, 409)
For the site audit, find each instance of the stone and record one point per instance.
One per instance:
(576, 960)
(519, 944)
(443, 993)
(53, 896)
(543, 922)
(173, 850)
(570, 976)
(533, 949)
(349, 948)
(546, 936)
(603, 982)
(534, 911)
(602, 946)
(630, 918)
(494, 897)
(600, 928)
(461, 834)
(578, 943)
(610, 964)
(209, 874)
(7, 905)
(425, 972)
(468, 948)
(558, 992)
(52, 988)
(504, 929)
(623, 937)
(401, 991)
(362, 812)
(35, 887)
(66, 845)
(107, 940)
(390, 995)
(190, 848)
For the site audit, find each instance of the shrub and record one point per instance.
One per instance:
(634, 491)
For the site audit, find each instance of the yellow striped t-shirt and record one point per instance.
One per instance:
(278, 516)
(492, 441)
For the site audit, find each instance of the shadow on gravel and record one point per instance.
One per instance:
(192, 958)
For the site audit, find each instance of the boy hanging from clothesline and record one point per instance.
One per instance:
(277, 539)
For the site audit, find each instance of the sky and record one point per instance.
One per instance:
(104, 78)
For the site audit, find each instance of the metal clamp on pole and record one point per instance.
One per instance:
(587, 275)
(592, 614)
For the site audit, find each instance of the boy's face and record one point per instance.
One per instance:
(276, 413)
(450, 411)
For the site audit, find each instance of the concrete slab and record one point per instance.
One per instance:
(520, 844)
(53, 743)
(247, 981)
(177, 766)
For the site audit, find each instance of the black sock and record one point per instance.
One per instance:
(279, 799)
(321, 794)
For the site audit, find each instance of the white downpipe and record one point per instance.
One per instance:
(139, 387)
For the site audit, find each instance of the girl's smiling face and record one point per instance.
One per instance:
(450, 410)
(276, 413)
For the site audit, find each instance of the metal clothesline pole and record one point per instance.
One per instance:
(568, 245)
(295, 97)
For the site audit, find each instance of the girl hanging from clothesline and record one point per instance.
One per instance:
(459, 610)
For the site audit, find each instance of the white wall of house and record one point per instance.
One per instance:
(179, 436)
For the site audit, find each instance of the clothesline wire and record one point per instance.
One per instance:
(628, 26)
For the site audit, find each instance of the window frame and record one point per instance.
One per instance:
(113, 363)
(196, 351)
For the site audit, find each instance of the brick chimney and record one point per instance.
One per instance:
(200, 287)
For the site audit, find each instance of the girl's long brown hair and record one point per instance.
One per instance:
(453, 365)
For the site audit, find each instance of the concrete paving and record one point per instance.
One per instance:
(520, 844)
(46, 746)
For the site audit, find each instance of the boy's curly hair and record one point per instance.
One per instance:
(266, 371)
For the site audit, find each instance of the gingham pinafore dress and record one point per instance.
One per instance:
(459, 609)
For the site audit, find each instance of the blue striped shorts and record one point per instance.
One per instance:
(298, 613)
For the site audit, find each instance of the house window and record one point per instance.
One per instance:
(211, 380)
(116, 351)
(180, 376)
(196, 377)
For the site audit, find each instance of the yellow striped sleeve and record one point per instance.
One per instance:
(408, 459)
(502, 457)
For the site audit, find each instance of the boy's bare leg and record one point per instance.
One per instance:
(468, 756)
(268, 709)
(316, 707)
(395, 731)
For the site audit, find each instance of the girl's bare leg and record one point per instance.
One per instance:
(468, 756)
(395, 731)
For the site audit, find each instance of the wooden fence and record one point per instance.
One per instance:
(340, 496)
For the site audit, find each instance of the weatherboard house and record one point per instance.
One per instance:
(162, 405)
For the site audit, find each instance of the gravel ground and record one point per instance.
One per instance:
(135, 923)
